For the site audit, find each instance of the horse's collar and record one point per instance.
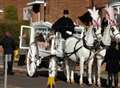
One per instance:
(86, 46)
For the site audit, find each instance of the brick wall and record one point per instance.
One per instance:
(54, 8)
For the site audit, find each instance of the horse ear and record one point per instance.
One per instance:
(94, 9)
(97, 11)
(99, 21)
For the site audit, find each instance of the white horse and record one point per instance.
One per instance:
(110, 32)
(77, 52)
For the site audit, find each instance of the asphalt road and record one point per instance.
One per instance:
(21, 80)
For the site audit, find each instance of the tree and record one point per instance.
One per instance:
(11, 13)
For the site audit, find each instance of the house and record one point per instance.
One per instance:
(50, 10)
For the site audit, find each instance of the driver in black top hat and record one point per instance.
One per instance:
(61, 27)
(64, 24)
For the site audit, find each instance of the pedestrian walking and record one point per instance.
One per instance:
(8, 44)
(112, 59)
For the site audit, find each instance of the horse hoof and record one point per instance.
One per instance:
(94, 83)
(90, 85)
(81, 83)
(68, 81)
(72, 82)
(81, 86)
(99, 85)
(94, 86)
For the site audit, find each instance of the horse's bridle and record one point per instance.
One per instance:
(96, 34)
(96, 27)
(113, 31)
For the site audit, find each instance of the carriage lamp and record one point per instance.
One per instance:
(36, 4)
(36, 8)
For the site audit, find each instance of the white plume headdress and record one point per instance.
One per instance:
(95, 15)
(110, 15)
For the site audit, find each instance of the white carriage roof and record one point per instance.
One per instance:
(36, 2)
(47, 24)
(115, 4)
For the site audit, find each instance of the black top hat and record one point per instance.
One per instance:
(65, 12)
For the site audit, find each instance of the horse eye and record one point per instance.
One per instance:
(112, 29)
(94, 29)
(79, 32)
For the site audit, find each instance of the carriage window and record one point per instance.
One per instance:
(25, 37)
(43, 30)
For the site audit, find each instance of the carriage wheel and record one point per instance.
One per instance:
(31, 61)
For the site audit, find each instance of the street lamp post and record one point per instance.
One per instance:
(5, 73)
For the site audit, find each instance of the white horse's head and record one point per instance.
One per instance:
(96, 21)
(80, 31)
(112, 22)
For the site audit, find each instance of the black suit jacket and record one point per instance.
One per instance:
(62, 25)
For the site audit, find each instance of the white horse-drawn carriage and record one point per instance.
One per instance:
(38, 44)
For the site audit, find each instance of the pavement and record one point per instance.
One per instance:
(16, 68)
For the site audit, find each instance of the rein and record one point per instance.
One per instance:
(115, 34)
(75, 50)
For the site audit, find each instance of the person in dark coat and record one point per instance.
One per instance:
(112, 59)
(8, 44)
(64, 24)
(61, 27)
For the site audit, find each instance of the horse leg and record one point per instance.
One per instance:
(72, 72)
(90, 71)
(94, 72)
(67, 71)
(72, 64)
(72, 76)
(81, 70)
(99, 62)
